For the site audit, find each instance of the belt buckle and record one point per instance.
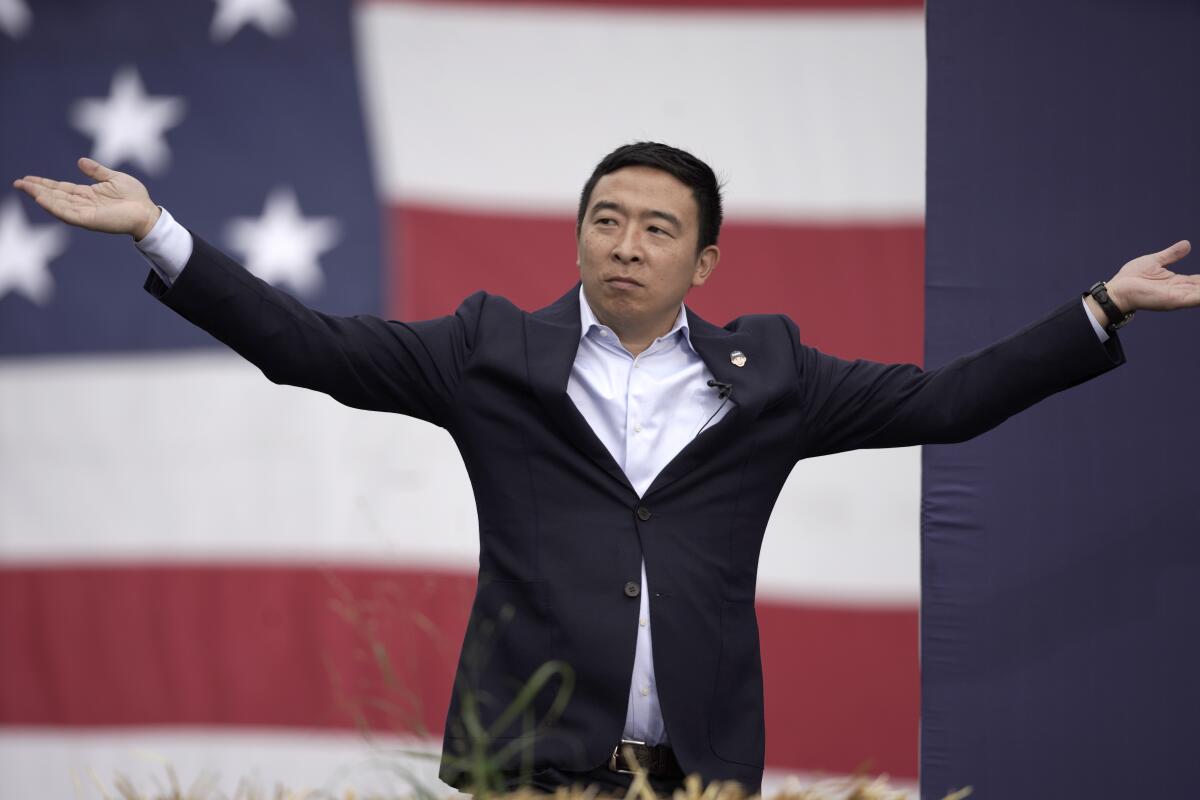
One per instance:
(616, 759)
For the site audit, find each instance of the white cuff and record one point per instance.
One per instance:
(167, 247)
(1103, 334)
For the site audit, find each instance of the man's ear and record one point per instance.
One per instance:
(705, 264)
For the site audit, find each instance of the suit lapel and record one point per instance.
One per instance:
(552, 340)
(716, 348)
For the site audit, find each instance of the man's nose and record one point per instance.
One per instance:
(628, 249)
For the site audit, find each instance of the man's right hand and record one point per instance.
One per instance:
(116, 203)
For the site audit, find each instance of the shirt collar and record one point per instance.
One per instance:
(588, 322)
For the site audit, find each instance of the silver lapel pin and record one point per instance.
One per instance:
(737, 358)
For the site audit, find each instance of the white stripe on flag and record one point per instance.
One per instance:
(198, 457)
(811, 115)
(39, 762)
(36, 762)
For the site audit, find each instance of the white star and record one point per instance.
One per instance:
(128, 125)
(272, 17)
(15, 18)
(26, 252)
(281, 246)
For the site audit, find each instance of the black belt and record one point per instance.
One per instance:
(657, 760)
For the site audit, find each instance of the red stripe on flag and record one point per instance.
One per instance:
(228, 645)
(856, 290)
(334, 648)
(842, 688)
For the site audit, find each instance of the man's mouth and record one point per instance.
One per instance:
(621, 280)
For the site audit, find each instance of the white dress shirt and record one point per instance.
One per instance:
(168, 247)
(644, 409)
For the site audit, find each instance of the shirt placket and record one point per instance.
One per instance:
(639, 430)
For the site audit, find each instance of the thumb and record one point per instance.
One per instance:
(95, 170)
(1174, 252)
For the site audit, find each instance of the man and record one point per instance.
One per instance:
(625, 455)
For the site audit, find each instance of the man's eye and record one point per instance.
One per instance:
(656, 229)
(606, 221)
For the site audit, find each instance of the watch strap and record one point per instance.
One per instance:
(1116, 317)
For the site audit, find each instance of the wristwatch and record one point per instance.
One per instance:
(1116, 317)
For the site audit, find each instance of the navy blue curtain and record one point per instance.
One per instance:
(1061, 552)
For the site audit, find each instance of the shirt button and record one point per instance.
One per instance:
(637, 428)
(642, 622)
(643, 513)
(603, 332)
(645, 691)
(636, 365)
(632, 589)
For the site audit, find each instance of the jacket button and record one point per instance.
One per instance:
(643, 513)
(632, 589)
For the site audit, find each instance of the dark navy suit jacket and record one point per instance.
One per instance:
(562, 532)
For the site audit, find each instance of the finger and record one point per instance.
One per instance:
(54, 200)
(31, 186)
(34, 180)
(1183, 292)
(95, 170)
(28, 182)
(39, 188)
(1174, 252)
(1192, 298)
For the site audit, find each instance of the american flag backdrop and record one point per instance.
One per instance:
(200, 568)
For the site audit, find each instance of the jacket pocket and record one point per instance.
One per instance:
(507, 641)
(735, 725)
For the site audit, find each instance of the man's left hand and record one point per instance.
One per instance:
(1146, 283)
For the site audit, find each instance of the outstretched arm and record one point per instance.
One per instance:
(865, 404)
(362, 361)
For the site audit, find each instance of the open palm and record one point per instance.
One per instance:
(116, 203)
(1146, 283)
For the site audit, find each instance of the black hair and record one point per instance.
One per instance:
(683, 166)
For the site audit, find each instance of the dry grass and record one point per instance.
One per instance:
(365, 618)
(850, 788)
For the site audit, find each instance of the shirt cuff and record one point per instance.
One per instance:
(168, 247)
(1103, 334)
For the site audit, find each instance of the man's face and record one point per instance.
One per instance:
(637, 248)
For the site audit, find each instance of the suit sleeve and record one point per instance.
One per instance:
(863, 404)
(361, 361)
